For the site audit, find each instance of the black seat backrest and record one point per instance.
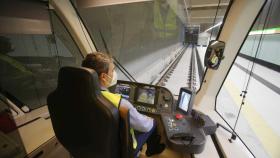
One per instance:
(85, 122)
(126, 139)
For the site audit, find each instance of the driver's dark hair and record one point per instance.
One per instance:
(98, 61)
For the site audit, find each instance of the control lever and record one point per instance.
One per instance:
(166, 98)
(197, 119)
(182, 136)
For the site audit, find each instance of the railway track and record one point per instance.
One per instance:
(191, 80)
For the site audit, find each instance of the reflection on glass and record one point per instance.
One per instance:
(137, 34)
(29, 64)
(22, 66)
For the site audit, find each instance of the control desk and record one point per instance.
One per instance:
(184, 127)
(146, 98)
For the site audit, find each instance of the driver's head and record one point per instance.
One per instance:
(104, 66)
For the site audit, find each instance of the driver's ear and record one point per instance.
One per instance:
(102, 76)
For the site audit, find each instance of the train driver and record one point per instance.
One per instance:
(144, 126)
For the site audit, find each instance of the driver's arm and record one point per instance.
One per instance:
(138, 121)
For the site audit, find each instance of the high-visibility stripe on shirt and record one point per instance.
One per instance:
(115, 99)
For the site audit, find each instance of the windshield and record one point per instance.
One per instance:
(146, 37)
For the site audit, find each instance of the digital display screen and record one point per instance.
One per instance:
(146, 95)
(123, 89)
(184, 101)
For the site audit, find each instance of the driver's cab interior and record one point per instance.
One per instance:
(173, 59)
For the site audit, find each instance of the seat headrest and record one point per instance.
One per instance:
(71, 79)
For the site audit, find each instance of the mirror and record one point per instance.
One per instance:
(214, 54)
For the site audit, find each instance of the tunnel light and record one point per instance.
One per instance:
(218, 24)
(266, 31)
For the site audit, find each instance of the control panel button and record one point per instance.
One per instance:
(179, 116)
(166, 98)
(144, 108)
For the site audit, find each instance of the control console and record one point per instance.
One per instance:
(187, 133)
(146, 98)
(185, 128)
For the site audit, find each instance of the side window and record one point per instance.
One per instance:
(27, 67)
(68, 52)
(249, 99)
(29, 63)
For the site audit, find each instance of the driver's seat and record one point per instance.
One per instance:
(85, 122)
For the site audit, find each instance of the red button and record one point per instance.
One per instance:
(179, 116)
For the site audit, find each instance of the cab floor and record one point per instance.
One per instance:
(167, 153)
